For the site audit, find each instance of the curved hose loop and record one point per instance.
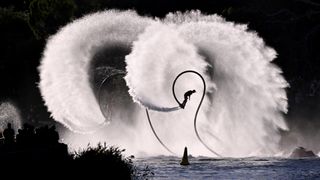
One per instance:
(149, 120)
(117, 73)
(196, 115)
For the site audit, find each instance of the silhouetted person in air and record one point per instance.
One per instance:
(8, 135)
(187, 96)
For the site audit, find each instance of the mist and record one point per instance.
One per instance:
(245, 101)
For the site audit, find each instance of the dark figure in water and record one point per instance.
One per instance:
(8, 135)
(187, 96)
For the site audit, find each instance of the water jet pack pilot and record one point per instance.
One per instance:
(187, 96)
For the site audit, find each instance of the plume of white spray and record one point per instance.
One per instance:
(158, 56)
(250, 96)
(247, 96)
(64, 70)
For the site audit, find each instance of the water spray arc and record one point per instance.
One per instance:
(198, 108)
(248, 107)
(174, 94)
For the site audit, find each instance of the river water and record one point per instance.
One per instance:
(167, 167)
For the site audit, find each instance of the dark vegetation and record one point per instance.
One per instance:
(41, 146)
(290, 26)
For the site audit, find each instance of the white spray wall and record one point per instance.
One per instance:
(241, 113)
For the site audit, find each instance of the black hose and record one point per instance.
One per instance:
(196, 115)
(111, 75)
(155, 134)
(117, 73)
(173, 91)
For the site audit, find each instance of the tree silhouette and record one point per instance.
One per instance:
(46, 16)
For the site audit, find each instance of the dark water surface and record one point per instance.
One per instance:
(166, 167)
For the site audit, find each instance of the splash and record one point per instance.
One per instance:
(242, 110)
(9, 113)
(64, 70)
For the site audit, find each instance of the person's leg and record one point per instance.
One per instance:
(183, 104)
